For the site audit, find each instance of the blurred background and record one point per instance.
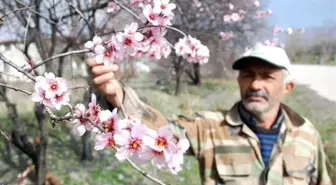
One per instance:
(33, 31)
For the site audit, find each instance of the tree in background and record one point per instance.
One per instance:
(60, 28)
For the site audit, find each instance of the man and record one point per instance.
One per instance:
(259, 141)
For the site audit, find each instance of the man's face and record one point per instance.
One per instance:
(261, 86)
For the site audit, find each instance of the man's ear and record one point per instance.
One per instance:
(289, 86)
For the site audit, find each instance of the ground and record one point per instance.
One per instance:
(63, 156)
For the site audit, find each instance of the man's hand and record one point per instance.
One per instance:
(105, 81)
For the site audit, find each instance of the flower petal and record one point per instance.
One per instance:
(78, 130)
(122, 154)
(139, 130)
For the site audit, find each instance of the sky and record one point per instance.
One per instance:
(302, 13)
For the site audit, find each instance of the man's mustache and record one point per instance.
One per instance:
(259, 93)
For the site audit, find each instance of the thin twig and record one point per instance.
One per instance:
(32, 10)
(79, 87)
(5, 60)
(127, 9)
(82, 16)
(168, 27)
(3, 73)
(58, 56)
(15, 89)
(19, 9)
(24, 174)
(5, 135)
(26, 31)
(144, 173)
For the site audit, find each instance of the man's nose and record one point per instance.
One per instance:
(257, 84)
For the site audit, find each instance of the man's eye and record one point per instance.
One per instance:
(248, 75)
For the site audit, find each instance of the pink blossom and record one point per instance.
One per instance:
(235, 17)
(176, 160)
(260, 14)
(227, 18)
(160, 145)
(93, 111)
(151, 16)
(181, 47)
(95, 41)
(53, 85)
(61, 99)
(157, 157)
(161, 140)
(130, 143)
(203, 54)
(51, 91)
(39, 96)
(166, 50)
(130, 39)
(109, 120)
(114, 50)
(189, 47)
(163, 7)
(81, 121)
(256, 3)
(112, 7)
(104, 140)
(231, 6)
(226, 35)
(276, 30)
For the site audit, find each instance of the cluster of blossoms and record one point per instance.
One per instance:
(192, 50)
(289, 30)
(226, 35)
(112, 7)
(51, 91)
(274, 42)
(129, 136)
(149, 41)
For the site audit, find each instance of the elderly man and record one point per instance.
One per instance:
(258, 141)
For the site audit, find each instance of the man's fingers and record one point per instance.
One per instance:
(101, 69)
(107, 88)
(91, 62)
(103, 78)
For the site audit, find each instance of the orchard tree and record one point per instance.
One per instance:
(61, 29)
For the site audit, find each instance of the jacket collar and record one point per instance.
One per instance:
(293, 118)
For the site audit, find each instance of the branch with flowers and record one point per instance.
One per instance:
(133, 141)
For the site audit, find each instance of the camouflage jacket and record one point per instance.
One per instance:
(228, 151)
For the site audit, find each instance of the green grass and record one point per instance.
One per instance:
(64, 160)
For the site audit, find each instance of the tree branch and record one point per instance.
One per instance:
(58, 56)
(4, 59)
(128, 10)
(11, 12)
(32, 10)
(5, 135)
(15, 89)
(82, 16)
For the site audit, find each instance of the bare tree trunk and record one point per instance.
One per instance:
(178, 74)
(197, 72)
(86, 153)
(87, 147)
(41, 163)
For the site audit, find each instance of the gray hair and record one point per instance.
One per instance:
(286, 76)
